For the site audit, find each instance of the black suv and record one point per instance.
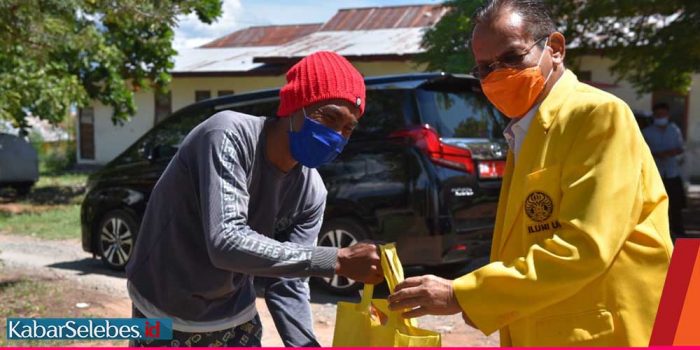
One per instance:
(423, 169)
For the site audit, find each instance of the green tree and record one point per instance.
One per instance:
(447, 43)
(653, 42)
(54, 53)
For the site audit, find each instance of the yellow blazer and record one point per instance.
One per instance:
(581, 244)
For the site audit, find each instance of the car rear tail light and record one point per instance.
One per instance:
(491, 169)
(428, 141)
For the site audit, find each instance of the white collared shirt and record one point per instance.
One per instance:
(517, 129)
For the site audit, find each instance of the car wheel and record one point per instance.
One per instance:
(340, 233)
(115, 238)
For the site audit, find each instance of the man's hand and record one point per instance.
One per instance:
(425, 295)
(360, 262)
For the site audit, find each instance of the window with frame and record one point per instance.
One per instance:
(385, 112)
(87, 132)
(455, 111)
(167, 137)
(163, 106)
(201, 95)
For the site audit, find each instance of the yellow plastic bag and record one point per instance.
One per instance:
(363, 325)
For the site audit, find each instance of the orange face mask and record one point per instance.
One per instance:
(514, 91)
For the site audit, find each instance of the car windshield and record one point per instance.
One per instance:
(460, 112)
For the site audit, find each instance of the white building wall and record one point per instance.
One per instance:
(183, 88)
(110, 139)
(600, 73)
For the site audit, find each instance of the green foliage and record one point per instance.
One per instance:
(654, 42)
(54, 157)
(57, 52)
(57, 157)
(447, 43)
(651, 56)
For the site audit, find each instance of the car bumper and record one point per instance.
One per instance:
(445, 249)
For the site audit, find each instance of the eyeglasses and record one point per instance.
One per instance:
(480, 71)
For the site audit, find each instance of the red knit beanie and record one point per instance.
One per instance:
(323, 75)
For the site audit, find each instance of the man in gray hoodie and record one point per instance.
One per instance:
(242, 198)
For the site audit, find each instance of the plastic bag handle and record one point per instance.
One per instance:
(367, 295)
(390, 273)
(393, 274)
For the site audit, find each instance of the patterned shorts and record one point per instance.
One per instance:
(248, 334)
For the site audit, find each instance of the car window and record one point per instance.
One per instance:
(164, 140)
(460, 113)
(372, 162)
(169, 135)
(385, 112)
(262, 108)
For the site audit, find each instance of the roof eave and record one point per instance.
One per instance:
(250, 73)
(362, 58)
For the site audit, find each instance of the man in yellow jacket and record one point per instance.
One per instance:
(581, 244)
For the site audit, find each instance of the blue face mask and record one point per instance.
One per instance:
(315, 144)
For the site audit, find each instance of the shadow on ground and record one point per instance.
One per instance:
(88, 266)
(47, 195)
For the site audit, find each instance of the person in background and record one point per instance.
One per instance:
(581, 245)
(242, 198)
(666, 143)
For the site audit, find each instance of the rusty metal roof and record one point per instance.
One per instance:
(393, 32)
(353, 44)
(368, 18)
(378, 33)
(229, 59)
(264, 36)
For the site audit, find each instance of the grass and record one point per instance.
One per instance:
(70, 179)
(50, 211)
(61, 222)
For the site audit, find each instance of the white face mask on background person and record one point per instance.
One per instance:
(661, 121)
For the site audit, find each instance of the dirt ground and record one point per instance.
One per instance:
(24, 294)
(73, 277)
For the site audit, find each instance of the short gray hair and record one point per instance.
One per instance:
(534, 12)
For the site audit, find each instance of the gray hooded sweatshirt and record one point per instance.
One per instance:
(220, 214)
